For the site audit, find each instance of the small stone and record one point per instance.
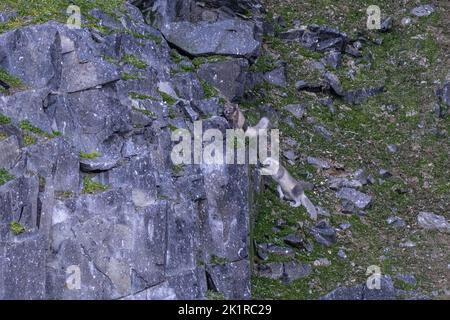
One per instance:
(319, 163)
(322, 262)
(333, 59)
(385, 173)
(324, 234)
(336, 183)
(406, 21)
(407, 278)
(408, 244)
(341, 254)
(324, 132)
(323, 212)
(345, 225)
(422, 11)
(294, 270)
(359, 199)
(348, 207)
(431, 221)
(272, 270)
(396, 222)
(294, 241)
(297, 110)
(387, 24)
(290, 155)
(392, 148)
(334, 83)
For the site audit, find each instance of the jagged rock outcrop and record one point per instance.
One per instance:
(90, 179)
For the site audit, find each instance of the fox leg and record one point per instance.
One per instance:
(280, 192)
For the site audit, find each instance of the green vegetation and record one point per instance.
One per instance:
(176, 57)
(13, 82)
(39, 11)
(5, 176)
(90, 155)
(134, 61)
(167, 98)
(26, 125)
(4, 119)
(16, 228)
(214, 295)
(208, 89)
(140, 96)
(29, 140)
(145, 112)
(178, 169)
(128, 76)
(216, 260)
(263, 64)
(64, 194)
(198, 61)
(91, 186)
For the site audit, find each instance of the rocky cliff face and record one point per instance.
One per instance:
(85, 140)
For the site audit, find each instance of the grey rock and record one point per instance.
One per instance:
(231, 279)
(227, 37)
(7, 15)
(348, 207)
(322, 262)
(99, 164)
(334, 83)
(290, 155)
(345, 225)
(333, 59)
(407, 278)
(23, 269)
(228, 77)
(297, 110)
(345, 293)
(324, 132)
(361, 95)
(341, 254)
(319, 163)
(294, 270)
(336, 183)
(323, 212)
(145, 236)
(393, 148)
(422, 11)
(292, 34)
(277, 76)
(10, 152)
(406, 21)
(324, 234)
(36, 68)
(207, 107)
(431, 221)
(302, 85)
(272, 270)
(384, 173)
(294, 241)
(362, 292)
(280, 251)
(387, 24)
(359, 199)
